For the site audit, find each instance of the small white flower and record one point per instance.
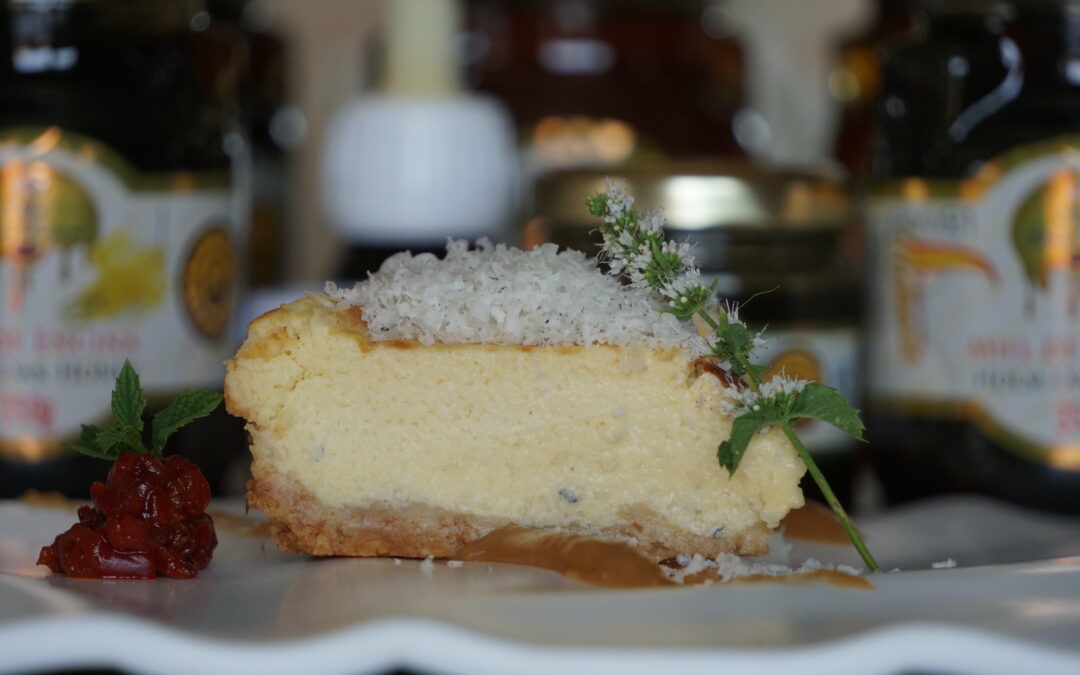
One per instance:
(732, 311)
(616, 266)
(612, 249)
(749, 400)
(742, 400)
(652, 222)
(760, 342)
(683, 249)
(682, 285)
(782, 384)
(619, 198)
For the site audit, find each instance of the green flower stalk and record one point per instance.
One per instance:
(635, 246)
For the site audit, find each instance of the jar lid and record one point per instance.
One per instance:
(701, 196)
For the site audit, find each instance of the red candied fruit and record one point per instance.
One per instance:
(148, 519)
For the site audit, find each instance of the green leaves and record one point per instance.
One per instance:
(87, 444)
(734, 343)
(128, 401)
(119, 440)
(731, 451)
(128, 405)
(814, 401)
(829, 406)
(186, 407)
(597, 204)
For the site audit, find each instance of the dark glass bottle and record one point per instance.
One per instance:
(856, 82)
(973, 231)
(121, 222)
(275, 127)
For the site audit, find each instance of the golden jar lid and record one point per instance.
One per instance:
(702, 196)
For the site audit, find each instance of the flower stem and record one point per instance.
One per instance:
(709, 321)
(830, 497)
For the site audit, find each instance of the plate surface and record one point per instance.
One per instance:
(1012, 600)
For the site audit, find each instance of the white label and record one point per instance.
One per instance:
(976, 304)
(94, 272)
(829, 356)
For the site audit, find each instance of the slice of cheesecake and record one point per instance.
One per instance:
(442, 400)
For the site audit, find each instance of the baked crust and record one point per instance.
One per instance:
(299, 523)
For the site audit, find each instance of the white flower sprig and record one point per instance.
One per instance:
(634, 246)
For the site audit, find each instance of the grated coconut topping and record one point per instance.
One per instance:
(503, 295)
(729, 566)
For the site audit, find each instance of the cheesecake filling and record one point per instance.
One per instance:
(545, 436)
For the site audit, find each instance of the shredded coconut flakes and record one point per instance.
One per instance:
(502, 295)
(427, 566)
(728, 566)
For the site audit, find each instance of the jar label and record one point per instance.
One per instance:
(976, 311)
(827, 355)
(100, 263)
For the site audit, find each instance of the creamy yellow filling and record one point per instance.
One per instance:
(543, 435)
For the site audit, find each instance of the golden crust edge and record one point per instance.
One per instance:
(299, 523)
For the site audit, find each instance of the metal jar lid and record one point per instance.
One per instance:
(701, 196)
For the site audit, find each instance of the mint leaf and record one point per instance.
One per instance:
(128, 401)
(87, 443)
(830, 406)
(128, 404)
(185, 408)
(107, 444)
(756, 371)
(731, 451)
(119, 440)
(815, 400)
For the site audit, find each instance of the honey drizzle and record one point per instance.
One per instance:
(814, 522)
(611, 564)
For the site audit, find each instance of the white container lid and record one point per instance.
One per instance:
(404, 170)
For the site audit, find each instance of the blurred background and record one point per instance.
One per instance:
(890, 186)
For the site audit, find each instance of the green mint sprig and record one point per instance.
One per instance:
(128, 404)
(635, 247)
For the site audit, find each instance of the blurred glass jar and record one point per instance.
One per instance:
(774, 241)
(974, 236)
(597, 82)
(122, 194)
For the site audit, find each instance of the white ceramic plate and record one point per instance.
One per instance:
(1012, 603)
